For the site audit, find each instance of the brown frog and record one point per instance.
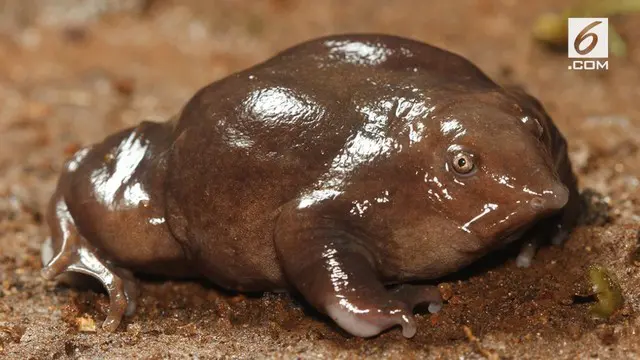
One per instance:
(338, 168)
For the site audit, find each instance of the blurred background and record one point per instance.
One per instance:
(74, 71)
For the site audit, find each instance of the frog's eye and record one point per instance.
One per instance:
(462, 163)
(534, 125)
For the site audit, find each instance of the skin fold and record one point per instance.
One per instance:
(342, 168)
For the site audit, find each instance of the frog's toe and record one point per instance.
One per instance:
(122, 300)
(527, 253)
(130, 290)
(54, 265)
(117, 306)
(46, 251)
(435, 307)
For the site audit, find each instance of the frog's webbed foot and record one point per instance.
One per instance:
(77, 255)
(336, 274)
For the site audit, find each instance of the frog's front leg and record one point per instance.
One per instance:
(555, 229)
(334, 271)
(76, 254)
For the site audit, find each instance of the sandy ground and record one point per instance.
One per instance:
(72, 72)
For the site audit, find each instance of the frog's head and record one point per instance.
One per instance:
(491, 172)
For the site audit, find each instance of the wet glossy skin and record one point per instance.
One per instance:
(332, 169)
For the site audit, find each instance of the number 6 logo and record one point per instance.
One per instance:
(588, 38)
(584, 35)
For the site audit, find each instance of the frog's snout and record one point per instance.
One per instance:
(552, 199)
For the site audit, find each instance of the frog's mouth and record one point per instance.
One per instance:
(509, 237)
(498, 241)
(502, 240)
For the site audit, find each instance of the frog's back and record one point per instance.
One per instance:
(353, 58)
(328, 74)
(296, 110)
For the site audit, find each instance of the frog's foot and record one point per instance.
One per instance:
(78, 256)
(367, 320)
(372, 314)
(528, 252)
(556, 232)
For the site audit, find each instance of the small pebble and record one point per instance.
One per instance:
(446, 291)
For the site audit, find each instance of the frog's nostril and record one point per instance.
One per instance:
(537, 203)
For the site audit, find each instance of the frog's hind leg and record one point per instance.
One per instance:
(75, 254)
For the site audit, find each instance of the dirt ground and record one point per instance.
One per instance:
(73, 71)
